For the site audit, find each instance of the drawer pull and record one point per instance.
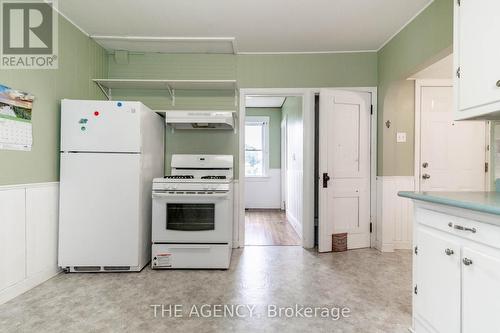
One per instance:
(467, 261)
(448, 252)
(460, 227)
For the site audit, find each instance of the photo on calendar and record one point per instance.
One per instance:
(15, 119)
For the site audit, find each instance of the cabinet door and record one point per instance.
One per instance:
(477, 53)
(480, 290)
(437, 302)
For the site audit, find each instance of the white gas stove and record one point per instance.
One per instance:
(193, 213)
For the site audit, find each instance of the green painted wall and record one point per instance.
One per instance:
(183, 66)
(307, 70)
(80, 59)
(251, 71)
(274, 115)
(423, 41)
(428, 38)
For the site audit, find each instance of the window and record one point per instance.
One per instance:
(256, 146)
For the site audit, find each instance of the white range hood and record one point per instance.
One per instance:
(221, 120)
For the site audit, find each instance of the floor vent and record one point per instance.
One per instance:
(116, 268)
(87, 268)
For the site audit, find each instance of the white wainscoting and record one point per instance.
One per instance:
(394, 214)
(295, 199)
(28, 237)
(264, 192)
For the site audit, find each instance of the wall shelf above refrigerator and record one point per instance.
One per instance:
(170, 86)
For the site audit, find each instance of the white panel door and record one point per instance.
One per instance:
(344, 204)
(477, 53)
(480, 290)
(100, 126)
(12, 237)
(437, 279)
(452, 152)
(99, 209)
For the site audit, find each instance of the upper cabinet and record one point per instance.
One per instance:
(477, 59)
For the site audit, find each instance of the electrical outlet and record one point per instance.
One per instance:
(401, 137)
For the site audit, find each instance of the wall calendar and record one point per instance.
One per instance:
(15, 119)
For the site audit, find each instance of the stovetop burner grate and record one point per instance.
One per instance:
(213, 177)
(180, 177)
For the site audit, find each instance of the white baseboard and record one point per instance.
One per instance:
(27, 284)
(295, 224)
(403, 245)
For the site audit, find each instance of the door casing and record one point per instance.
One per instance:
(307, 95)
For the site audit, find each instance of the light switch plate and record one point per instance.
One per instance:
(401, 137)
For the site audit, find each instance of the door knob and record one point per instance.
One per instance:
(448, 252)
(467, 261)
(425, 165)
(426, 176)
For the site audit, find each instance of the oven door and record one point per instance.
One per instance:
(192, 218)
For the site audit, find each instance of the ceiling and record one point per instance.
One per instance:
(257, 26)
(264, 101)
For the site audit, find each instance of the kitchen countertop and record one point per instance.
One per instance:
(485, 202)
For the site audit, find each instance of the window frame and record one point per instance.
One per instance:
(264, 122)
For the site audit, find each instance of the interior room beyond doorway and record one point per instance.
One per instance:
(273, 145)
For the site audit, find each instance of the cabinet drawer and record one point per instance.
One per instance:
(172, 256)
(465, 228)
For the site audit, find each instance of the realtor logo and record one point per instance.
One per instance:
(28, 34)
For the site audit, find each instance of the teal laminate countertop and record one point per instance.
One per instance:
(485, 202)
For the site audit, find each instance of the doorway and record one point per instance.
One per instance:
(306, 190)
(272, 144)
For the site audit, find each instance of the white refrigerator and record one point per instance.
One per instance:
(110, 153)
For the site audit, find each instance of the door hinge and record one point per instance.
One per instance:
(371, 109)
(458, 72)
(415, 290)
(371, 227)
(416, 250)
(486, 167)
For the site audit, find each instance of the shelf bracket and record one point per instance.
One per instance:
(235, 120)
(106, 93)
(172, 94)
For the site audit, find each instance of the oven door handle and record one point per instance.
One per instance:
(195, 196)
(189, 247)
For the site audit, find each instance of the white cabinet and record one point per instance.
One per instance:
(477, 59)
(481, 290)
(456, 274)
(438, 262)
